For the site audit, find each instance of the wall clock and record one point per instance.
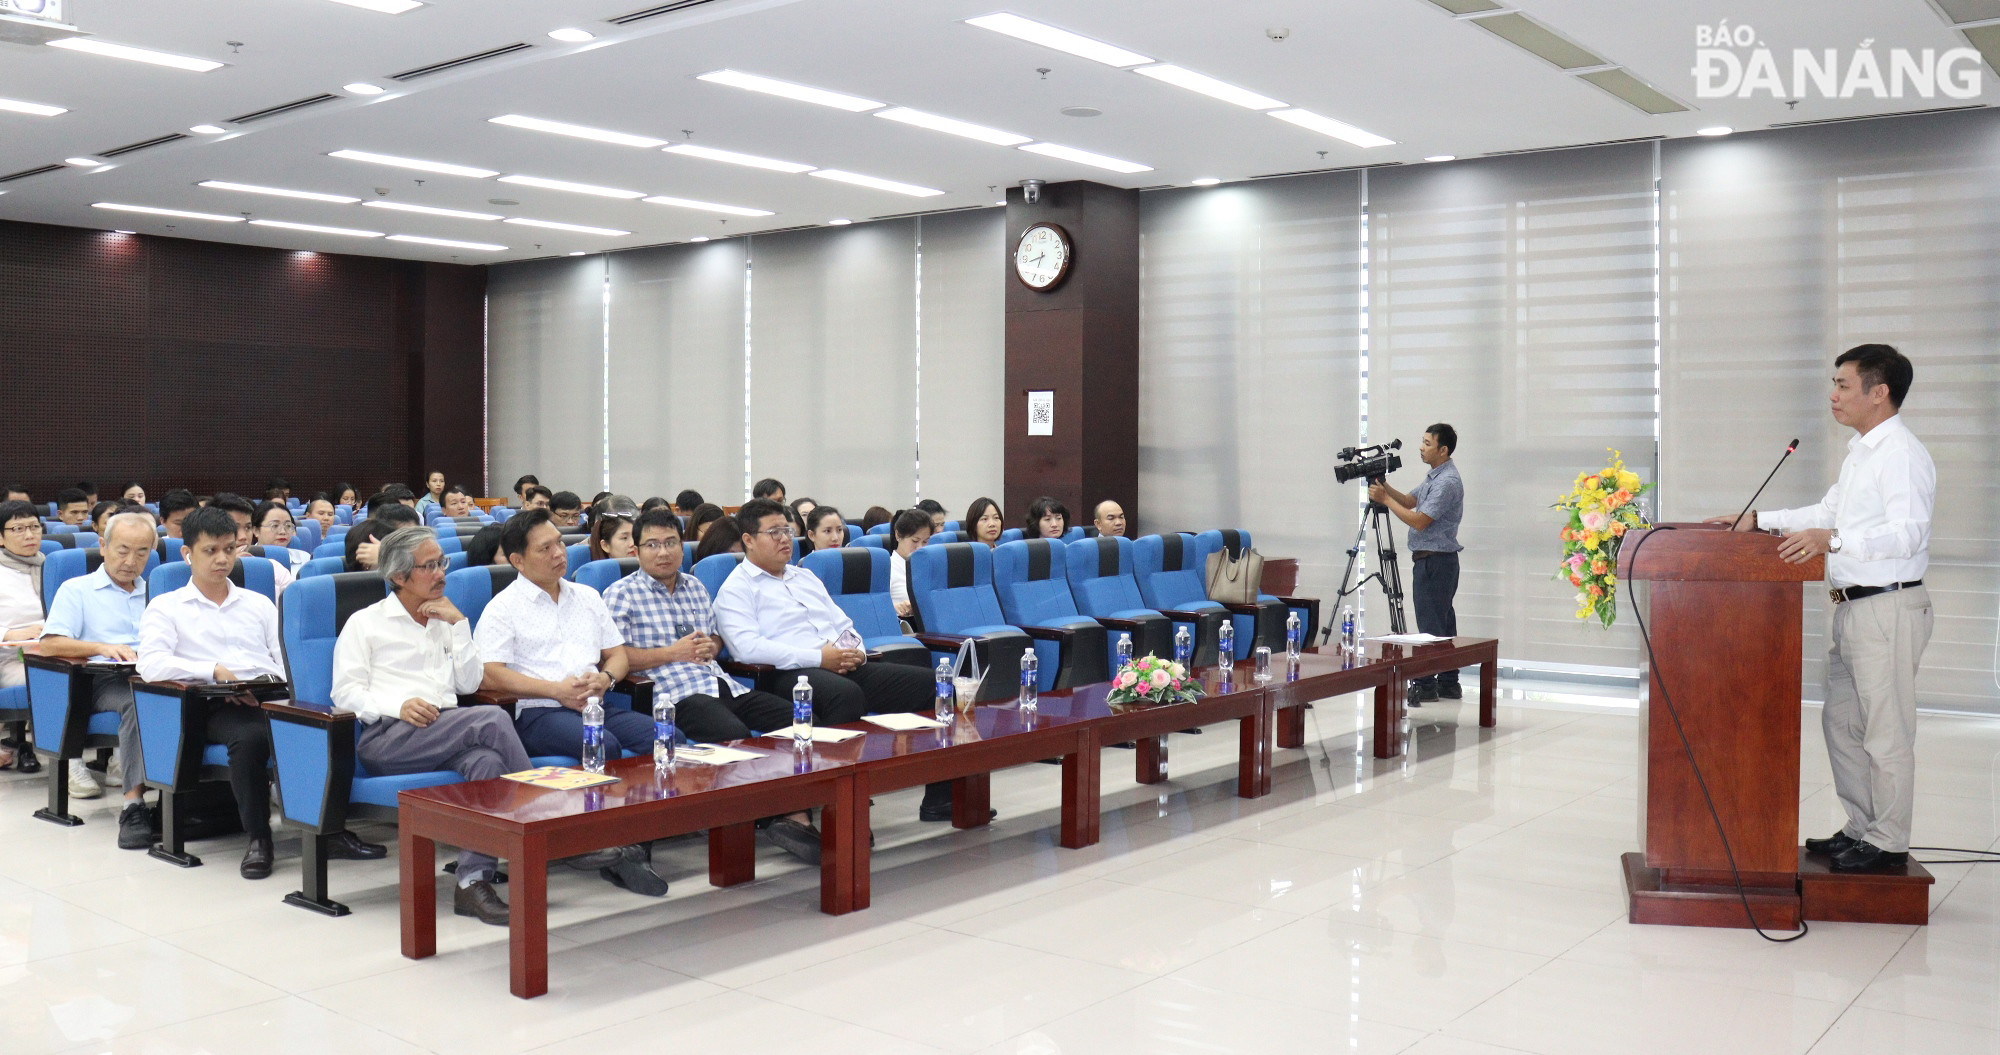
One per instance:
(1043, 256)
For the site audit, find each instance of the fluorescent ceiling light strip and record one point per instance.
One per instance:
(1085, 157)
(561, 128)
(387, 7)
(280, 192)
(573, 188)
(707, 206)
(316, 228)
(36, 109)
(182, 213)
(1060, 39)
(554, 226)
(1181, 77)
(1340, 130)
(877, 183)
(447, 243)
(94, 46)
(967, 129)
(804, 93)
(734, 158)
(413, 163)
(427, 210)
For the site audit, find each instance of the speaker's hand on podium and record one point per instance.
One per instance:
(1746, 522)
(1802, 546)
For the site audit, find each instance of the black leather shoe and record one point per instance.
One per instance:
(346, 846)
(1451, 692)
(136, 829)
(634, 874)
(480, 901)
(1866, 856)
(25, 761)
(1833, 845)
(596, 859)
(1424, 692)
(257, 859)
(796, 839)
(943, 813)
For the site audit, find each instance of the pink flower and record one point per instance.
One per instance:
(1160, 679)
(1596, 522)
(1124, 680)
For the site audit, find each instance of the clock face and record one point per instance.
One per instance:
(1042, 258)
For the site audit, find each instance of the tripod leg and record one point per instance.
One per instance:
(1390, 571)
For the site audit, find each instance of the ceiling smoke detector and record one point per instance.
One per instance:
(1082, 111)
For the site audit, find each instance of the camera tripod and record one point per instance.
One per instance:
(1387, 571)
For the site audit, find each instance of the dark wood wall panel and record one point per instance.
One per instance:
(214, 366)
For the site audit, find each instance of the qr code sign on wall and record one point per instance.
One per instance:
(1041, 413)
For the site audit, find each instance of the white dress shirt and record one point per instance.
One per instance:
(185, 636)
(383, 658)
(1881, 507)
(20, 605)
(543, 638)
(899, 578)
(779, 621)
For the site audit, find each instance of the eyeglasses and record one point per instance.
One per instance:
(435, 566)
(24, 530)
(781, 533)
(659, 545)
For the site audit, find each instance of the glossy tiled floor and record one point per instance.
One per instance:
(1465, 901)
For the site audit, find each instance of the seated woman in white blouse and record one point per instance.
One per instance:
(20, 598)
(271, 527)
(911, 529)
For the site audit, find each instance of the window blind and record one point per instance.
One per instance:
(545, 396)
(962, 325)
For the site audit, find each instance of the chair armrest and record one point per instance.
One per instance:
(327, 717)
(1048, 633)
(1182, 616)
(1133, 625)
(165, 686)
(1241, 608)
(489, 698)
(941, 642)
(748, 670)
(640, 688)
(1299, 602)
(56, 663)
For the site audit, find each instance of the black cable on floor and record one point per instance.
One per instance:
(1972, 857)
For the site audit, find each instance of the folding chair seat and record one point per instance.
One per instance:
(857, 578)
(1032, 581)
(1266, 618)
(1170, 581)
(1100, 578)
(952, 588)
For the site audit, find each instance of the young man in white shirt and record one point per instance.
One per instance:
(1874, 528)
(400, 665)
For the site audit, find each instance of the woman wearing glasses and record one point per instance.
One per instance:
(20, 600)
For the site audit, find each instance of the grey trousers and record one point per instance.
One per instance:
(1870, 717)
(111, 691)
(479, 743)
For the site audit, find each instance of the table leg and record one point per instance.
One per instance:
(1389, 717)
(419, 867)
(1150, 767)
(843, 851)
(528, 918)
(1080, 791)
(972, 801)
(1291, 723)
(732, 853)
(1489, 693)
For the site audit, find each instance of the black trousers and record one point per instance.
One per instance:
(712, 720)
(247, 735)
(1435, 583)
(883, 688)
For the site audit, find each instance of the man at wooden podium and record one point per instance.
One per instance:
(1874, 527)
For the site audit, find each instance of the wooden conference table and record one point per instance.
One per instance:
(530, 826)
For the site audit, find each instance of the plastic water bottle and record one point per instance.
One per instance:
(1031, 672)
(1263, 656)
(1294, 630)
(1124, 651)
(1225, 643)
(944, 703)
(663, 734)
(1347, 628)
(1183, 647)
(1360, 633)
(593, 735)
(802, 713)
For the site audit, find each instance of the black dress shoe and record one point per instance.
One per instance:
(1451, 692)
(136, 828)
(943, 813)
(26, 762)
(634, 874)
(1866, 856)
(257, 859)
(480, 901)
(596, 859)
(1833, 845)
(346, 846)
(796, 839)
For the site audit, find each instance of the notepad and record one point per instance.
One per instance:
(713, 754)
(820, 734)
(904, 723)
(1410, 639)
(561, 778)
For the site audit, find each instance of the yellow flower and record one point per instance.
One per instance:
(1627, 480)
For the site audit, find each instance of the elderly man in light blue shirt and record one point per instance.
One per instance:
(96, 617)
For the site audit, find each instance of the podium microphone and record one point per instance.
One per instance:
(1767, 482)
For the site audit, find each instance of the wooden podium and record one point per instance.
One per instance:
(1724, 613)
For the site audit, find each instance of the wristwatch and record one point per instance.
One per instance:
(1833, 544)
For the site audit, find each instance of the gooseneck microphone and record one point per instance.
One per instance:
(1767, 482)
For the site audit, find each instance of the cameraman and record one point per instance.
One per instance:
(1433, 511)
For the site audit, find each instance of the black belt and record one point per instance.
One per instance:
(1420, 554)
(1855, 593)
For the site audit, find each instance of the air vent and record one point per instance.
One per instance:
(25, 173)
(1572, 146)
(1871, 117)
(130, 147)
(1321, 172)
(283, 108)
(462, 60)
(655, 12)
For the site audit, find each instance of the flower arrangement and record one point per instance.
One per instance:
(1602, 507)
(1150, 679)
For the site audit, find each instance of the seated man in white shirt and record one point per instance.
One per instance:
(400, 665)
(772, 612)
(213, 630)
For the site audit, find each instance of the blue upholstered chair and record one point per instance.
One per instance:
(579, 555)
(600, 574)
(322, 566)
(946, 538)
(879, 529)
(343, 514)
(331, 548)
(471, 588)
(1032, 582)
(1012, 535)
(1100, 578)
(881, 542)
(251, 573)
(1171, 581)
(1265, 619)
(308, 535)
(71, 539)
(857, 578)
(952, 588)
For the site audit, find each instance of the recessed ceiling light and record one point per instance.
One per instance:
(577, 227)
(1340, 130)
(840, 222)
(572, 35)
(1085, 157)
(278, 191)
(94, 46)
(208, 130)
(387, 7)
(1002, 201)
(573, 188)
(121, 230)
(958, 128)
(802, 92)
(699, 238)
(363, 88)
(1060, 39)
(414, 163)
(579, 131)
(316, 228)
(182, 213)
(446, 242)
(501, 201)
(1080, 111)
(734, 158)
(36, 109)
(1205, 181)
(84, 162)
(576, 252)
(1714, 130)
(707, 206)
(1442, 157)
(877, 183)
(1209, 86)
(427, 210)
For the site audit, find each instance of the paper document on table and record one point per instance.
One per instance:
(1410, 639)
(561, 778)
(713, 754)
(820, 734)
(904, 723)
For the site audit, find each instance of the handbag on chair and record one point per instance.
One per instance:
(966, 675)
(1234, 580)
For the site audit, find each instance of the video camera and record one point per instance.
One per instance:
(1369, 463)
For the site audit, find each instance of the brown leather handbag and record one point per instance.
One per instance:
(1234, 580)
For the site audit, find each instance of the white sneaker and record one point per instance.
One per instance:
(82, 782)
